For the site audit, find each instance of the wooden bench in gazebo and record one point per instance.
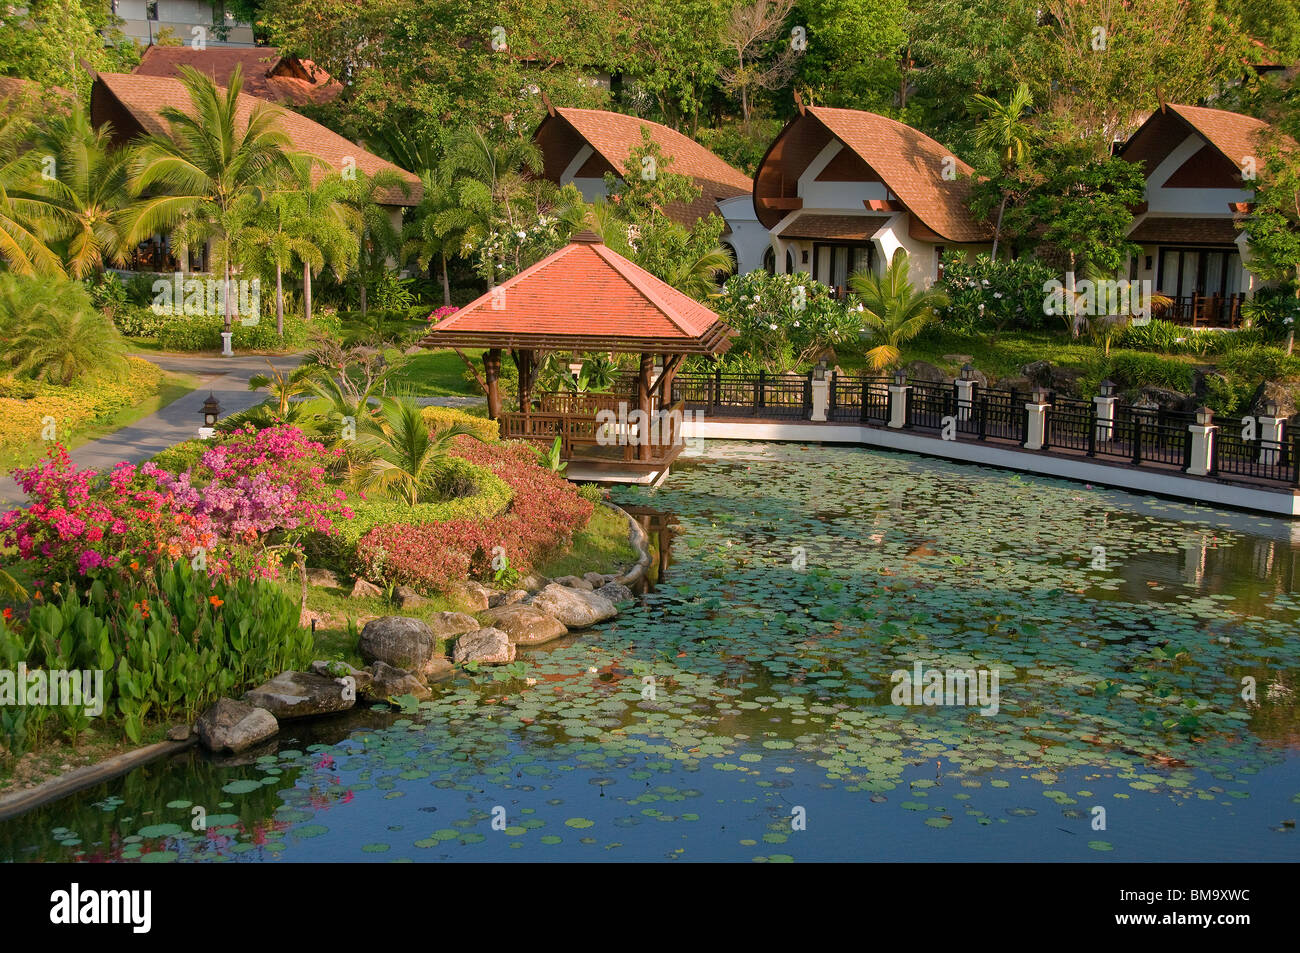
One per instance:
(586, 298)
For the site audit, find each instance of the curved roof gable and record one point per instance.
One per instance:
(1232, 135)
(613, 136)
(910, 164)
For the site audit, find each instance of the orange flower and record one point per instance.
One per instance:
(9, 613)
(217, 603)
(135, 565)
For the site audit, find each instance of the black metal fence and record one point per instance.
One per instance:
(864, 399)
(1235, 453)
(745, 395)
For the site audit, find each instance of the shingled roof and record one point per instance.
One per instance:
(585, 297)
(129, 99)
(267, 75)
(926, 177)
(613, 136)
(1233, 136)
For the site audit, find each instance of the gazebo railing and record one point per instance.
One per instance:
(760, 395)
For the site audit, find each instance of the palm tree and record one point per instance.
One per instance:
(25, 222)
(214, 166)
(894, 311)
(327, 230)
(407, 459)
(1004, 130)
(697, 275)
(86, 199)
(272, 241)
(379, 238)
(50, 330)
(283, 386)
(429, 234)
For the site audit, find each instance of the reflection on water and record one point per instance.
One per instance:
(755, 676)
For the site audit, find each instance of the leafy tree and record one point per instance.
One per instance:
(852, 56)
(893, 310)
(48, 41)
(1273, 224)
(762, 57)
(379, 238)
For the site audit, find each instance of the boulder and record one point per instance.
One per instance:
(1162, 399)
(302, 695)
(595, 578)
(616, 592)
(400, 641)
(958, 358)
(575, 582)
(179, 733)
(360, 677)
(444, 625)
(1282, 394)
(388, 682)
(1062, 380)
(533, 582)
(574, 607)
(525, 624)
(326, 578)
(509, 598)
(924, 371)
(408, 598)
(231, 726)
(309, 617)
(365, 590)
(486, 646)
(470, 595)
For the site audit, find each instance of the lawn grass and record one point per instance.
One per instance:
(436, 374)
(601, 546)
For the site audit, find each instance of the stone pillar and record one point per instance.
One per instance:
(1105, 418)
(1036, 425)
(821, 400)
(898, 396)
(1202, 449)
(225, 344)
(965, 398)
(1271, 433)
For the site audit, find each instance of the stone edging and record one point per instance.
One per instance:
(20, 802)
(640, 542)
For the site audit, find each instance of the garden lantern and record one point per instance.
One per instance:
(1107, 388)
(1203, 416)
(1269, 409)
(968, 371)
(211, 411)
(900, 377)
(819, 371)
(1040, 395)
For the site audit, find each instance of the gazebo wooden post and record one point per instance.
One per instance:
(643, 404)
(492, 374)
(525, 364)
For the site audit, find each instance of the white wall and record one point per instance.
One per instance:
(181, 16)
(748, 237)
(1199, 202)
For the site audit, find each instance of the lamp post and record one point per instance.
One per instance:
(211, 414)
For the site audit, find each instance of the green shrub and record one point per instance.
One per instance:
(1133, 370)
(1157, 335)
(1222, 397)
(1258, 363)
(442, 418)
(183, 332)
(988, 295)
(591, 491)
(181, 456)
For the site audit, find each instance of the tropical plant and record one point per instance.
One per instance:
(893, 309)
(327, 229)
(378, 238)
(407, 459)
(210, 172)
(25, 222)
(284, 386)
(1004, 130)
(552, 458)
(272, 240)
(51, 331)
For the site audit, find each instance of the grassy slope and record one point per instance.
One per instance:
(436, 374)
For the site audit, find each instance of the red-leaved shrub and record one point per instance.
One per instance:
(543, 517)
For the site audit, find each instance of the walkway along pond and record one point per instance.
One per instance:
(1147, 656)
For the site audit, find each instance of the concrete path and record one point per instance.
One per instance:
(226, 378)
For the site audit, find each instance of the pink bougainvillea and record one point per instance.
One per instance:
(255, 484)
(545, 513)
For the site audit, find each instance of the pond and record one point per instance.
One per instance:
(1139, 660)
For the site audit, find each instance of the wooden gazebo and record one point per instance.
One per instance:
(586, 298)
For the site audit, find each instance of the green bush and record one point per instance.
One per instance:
(591, 491)
(1258, 363)
(203, 332)
(988, 295)
(181, 456)
(442, 418)
(169, 643)
(1157, 335)
(1133, 370)
(1222, 397)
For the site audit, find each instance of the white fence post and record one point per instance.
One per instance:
(1036, 424)
(898, 396)
(1106, 412)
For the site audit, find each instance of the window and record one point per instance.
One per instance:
(834, 264)
(1199, 271)
(938, 262)
(769, 261)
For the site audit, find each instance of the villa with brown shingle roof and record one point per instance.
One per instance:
(841, 190)
(134, 104)
(286, 79)
(581, 145)
(1199, 164)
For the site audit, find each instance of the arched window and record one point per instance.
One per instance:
(769, 261)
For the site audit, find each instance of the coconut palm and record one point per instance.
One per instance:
(379, 238)
(284, 386)
(698, 275)
(51, 331)
(25, 221)
(327, 227)
(219, 160)
(429, 234)
(893, 309)
(86, 198)
(406, 458)
(273, 240)
(1004, 130)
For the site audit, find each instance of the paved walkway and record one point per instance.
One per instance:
(226, 378)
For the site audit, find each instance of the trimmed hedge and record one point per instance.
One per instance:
(25, 404)
(441, 418)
